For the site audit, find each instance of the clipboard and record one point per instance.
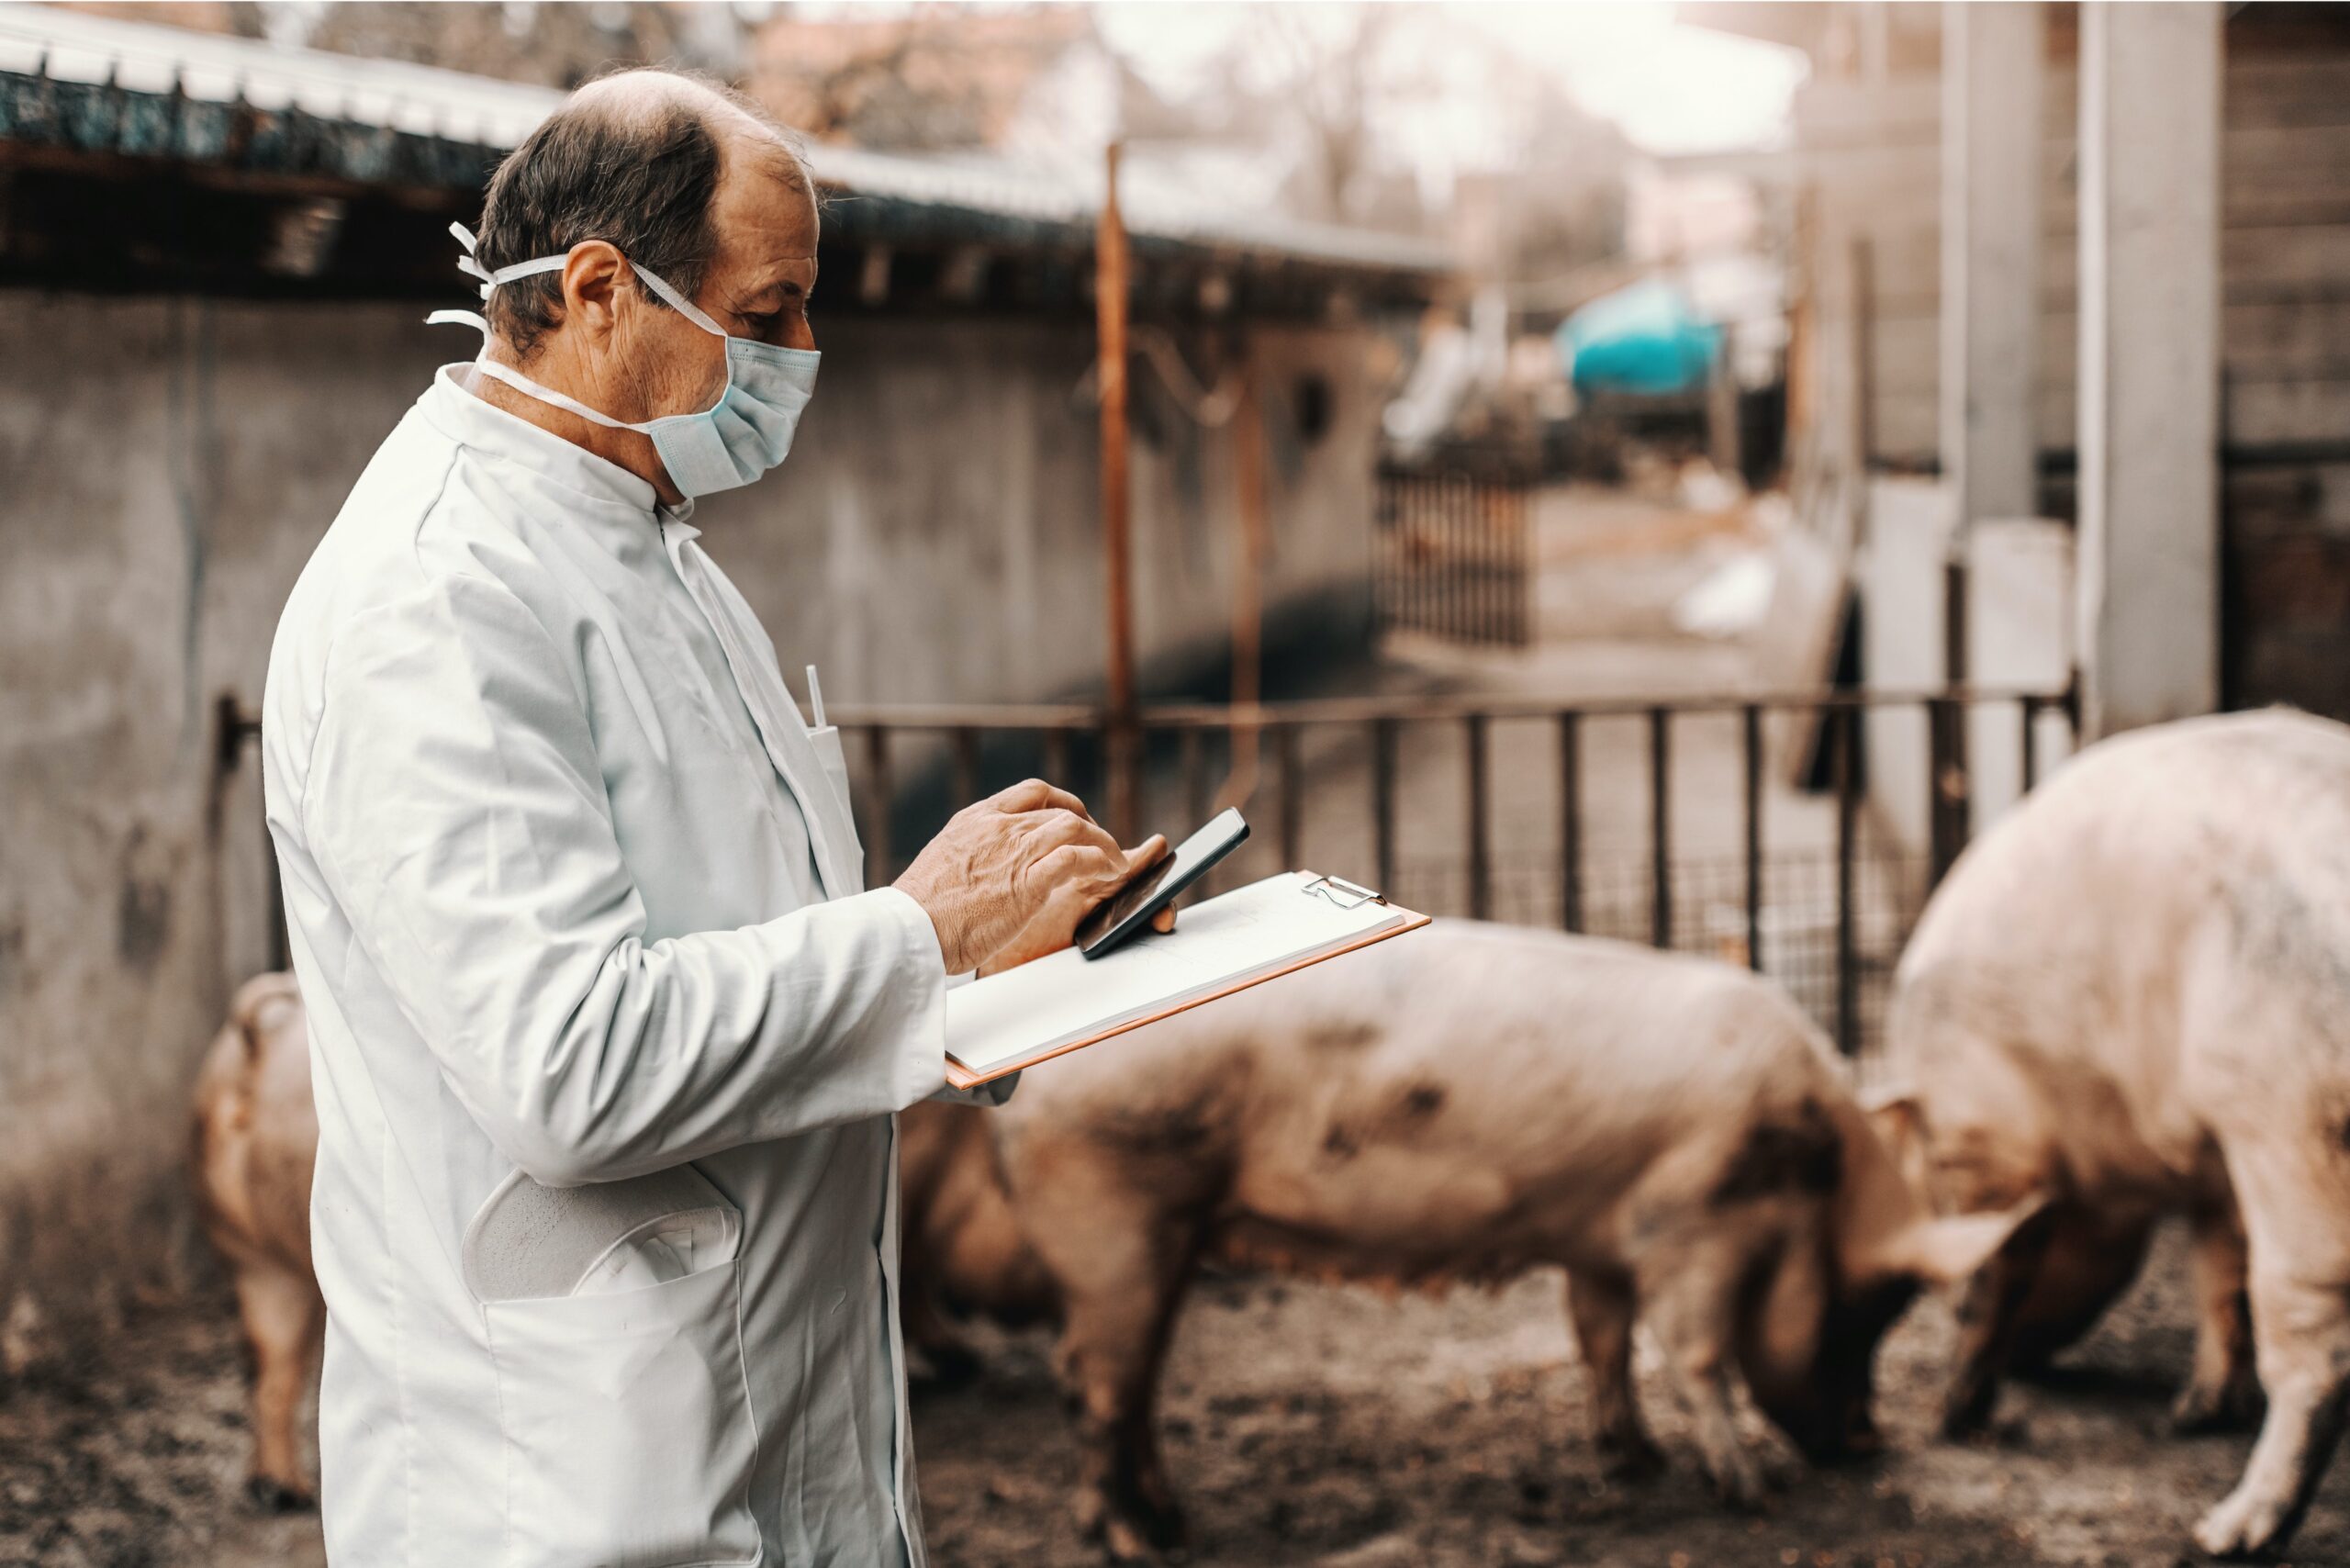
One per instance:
(1240, 939)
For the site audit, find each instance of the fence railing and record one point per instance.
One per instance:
(1344, 767)
(1826, 911)
(1453, 557)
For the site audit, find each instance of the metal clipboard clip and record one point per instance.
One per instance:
(1337, 889)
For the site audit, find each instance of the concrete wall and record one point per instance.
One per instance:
(936, 534)
(168, 466)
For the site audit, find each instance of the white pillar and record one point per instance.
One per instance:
(2148, 560)
(1992, 151)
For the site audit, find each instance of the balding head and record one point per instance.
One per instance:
(637, 159)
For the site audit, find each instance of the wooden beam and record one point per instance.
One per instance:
(1991, 154)
(2148, 563)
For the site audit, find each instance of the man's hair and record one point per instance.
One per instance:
(640, 175)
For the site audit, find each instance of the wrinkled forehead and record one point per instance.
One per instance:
(764, 210)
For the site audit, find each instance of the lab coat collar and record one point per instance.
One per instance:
(463, 415)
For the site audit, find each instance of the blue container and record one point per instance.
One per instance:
(1643, 338)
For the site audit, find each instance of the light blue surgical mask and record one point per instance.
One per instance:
(734, 441)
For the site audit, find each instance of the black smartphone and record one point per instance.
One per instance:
(1129, 909)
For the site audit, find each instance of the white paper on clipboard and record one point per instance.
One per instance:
(1026, 1013)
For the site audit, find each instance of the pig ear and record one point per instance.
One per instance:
(1894, 1112)
(1949, 1248)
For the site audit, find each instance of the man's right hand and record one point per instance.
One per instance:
(999, 864)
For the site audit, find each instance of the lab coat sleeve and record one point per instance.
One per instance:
(455, 803)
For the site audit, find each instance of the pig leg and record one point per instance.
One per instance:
(1690, 1301)
(1601, 1306)
(952, 1361)
(2223, 1393)
(2300, 1315)
(282, 1320)
(1122, 1265)
(1988, 1319)
(2090, 1262)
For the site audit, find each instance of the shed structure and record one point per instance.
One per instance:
(1986, 200)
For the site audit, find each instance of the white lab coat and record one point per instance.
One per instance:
(575, 898)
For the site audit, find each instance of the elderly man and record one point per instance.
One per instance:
(609, 1037)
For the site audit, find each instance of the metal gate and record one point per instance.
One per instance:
(1454, 558)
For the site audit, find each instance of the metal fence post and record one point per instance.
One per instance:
(1480, 893)
(1292, 788)
(1382, 800)
(1057, 758)
(1751, 734)
(967, 766)
(1659, 828)
(1847, 1018)
(878, 795)
(1525, 565)
(1947, 790)
(1571, 821)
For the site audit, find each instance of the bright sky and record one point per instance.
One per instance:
(1671, 87)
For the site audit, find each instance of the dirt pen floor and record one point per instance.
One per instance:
(1311, 1426)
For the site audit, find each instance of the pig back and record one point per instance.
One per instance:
(1440, 1084)
(2147, 935)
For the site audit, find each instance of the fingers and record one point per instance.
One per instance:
(1036, 795)
(1082, 868)
(1164, 921)
(1104, 868)
(1054, 829)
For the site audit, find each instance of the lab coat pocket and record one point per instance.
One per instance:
(629, 1433)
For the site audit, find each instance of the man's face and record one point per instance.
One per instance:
(756, 286)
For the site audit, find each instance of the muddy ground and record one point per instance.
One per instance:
(1305, 1425)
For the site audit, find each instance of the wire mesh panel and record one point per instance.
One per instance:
(1708, 915)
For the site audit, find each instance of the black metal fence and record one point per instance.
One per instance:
(1826, 917)
(1454, 556)
(1826, 914)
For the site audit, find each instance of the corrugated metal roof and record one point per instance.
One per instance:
(100, 84)
(210, 68)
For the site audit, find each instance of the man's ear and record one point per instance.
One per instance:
(1946, 1248)
(591, 277)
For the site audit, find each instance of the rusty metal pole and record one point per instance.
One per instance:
(1247, 591)
(1480, 832)
(1110, 282)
